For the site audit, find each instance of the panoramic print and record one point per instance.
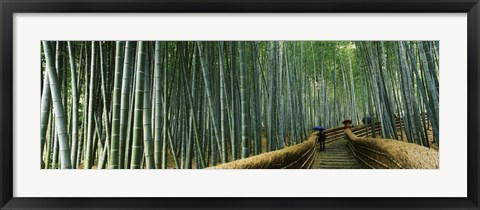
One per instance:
(239, 104)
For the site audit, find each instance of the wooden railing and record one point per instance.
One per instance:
(367, 150)
(300, 156)
(391, 154)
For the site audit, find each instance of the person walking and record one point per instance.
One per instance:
(321, 137)
(368, 121)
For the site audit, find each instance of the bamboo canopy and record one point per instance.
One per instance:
(198, 104)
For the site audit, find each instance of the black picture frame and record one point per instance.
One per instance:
(10, 7)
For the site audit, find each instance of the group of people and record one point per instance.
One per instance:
(321, 137)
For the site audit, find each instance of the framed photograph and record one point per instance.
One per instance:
(239, 105)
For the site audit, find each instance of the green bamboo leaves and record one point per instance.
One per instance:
(195, 104)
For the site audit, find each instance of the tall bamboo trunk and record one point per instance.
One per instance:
(74, 105)
(61, 125)
(137, 146)
(117, 85)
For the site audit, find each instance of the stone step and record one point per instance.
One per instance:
(337, 155)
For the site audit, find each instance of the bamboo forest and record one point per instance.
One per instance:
(239, 104)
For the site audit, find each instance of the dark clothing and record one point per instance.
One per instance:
(321, 137)
(367, 120)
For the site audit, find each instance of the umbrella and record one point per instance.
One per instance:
(347, 121)
(318, 128)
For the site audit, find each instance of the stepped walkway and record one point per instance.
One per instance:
(356, 152)
(336, 155)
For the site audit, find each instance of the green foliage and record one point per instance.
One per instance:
(192, 104)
